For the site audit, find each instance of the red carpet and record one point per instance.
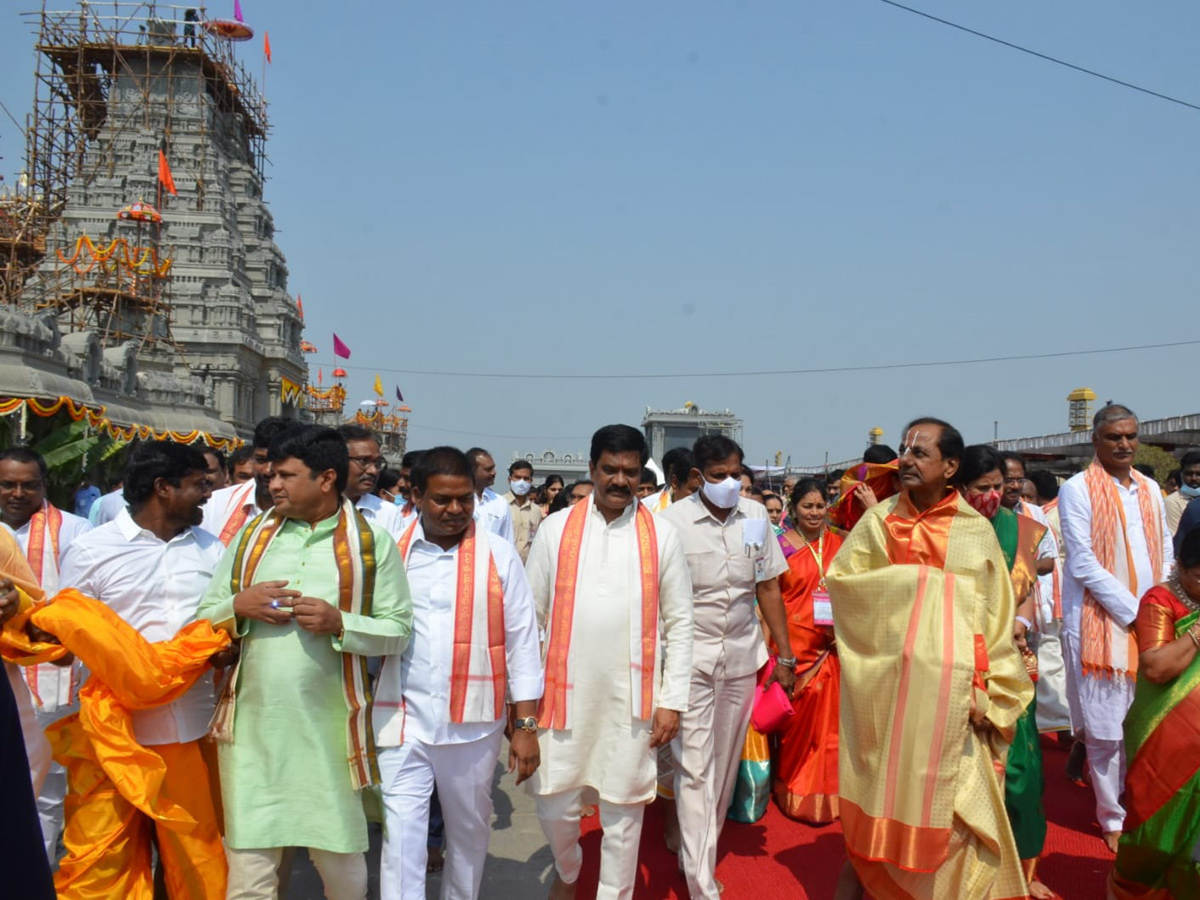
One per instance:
(776, 857)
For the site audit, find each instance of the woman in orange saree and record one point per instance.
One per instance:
(807, 769)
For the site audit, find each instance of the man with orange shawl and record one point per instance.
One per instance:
(932, 687)
(1118, 546)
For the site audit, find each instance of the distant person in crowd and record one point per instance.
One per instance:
(991, 483)
(1172, 482)
(550, 489)
(26, 868)
(44, 532)
(1118, 546)
(230, 508)
(385, 487)
(734, 560)
(526, 515)
(110, 505)
(216, 468)
(366, 462)
(618, 632)
(293, 730)
(879, 454)
(747, 481)
(151, 566)
(648, 484)
(1189, 489)
(789, 484)
(408, 509)
(806, 777)
(1147, 470)
(920, 585)
(441, 714)
(241, 466)
(1157, 855)
(833, 484)
(580, 490)
(677, 474)
(190, 18)
(491, 509)
(774, 505)
(86, 494)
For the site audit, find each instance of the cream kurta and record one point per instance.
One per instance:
(605, 748)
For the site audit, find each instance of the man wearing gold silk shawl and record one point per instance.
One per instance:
(932, 687)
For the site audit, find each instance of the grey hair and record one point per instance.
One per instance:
(1112, 412)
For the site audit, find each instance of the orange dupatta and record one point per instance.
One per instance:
(1108, 648)
(479, 658)
(643, 622)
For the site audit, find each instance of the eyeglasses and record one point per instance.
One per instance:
(368, 462)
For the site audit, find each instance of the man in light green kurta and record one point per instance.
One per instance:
(288, 776)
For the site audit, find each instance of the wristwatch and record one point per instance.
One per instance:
(528, 724)
(788, 662)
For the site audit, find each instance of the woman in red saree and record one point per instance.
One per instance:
(806, 774)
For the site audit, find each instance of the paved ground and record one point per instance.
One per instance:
(519, 860)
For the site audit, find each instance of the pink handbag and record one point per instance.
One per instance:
(772, 708)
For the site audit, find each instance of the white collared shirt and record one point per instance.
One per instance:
(385, 515)
(155, 586)
(413, 695)
(107, 507)
(491, 511)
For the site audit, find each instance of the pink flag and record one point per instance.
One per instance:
(340, 348)
(237, 11)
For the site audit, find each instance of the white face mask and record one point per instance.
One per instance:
(520, 487)
(723, 494)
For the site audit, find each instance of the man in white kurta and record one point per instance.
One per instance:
(229, 508)
(1104, 697)
(605, 741)
(440, 714)
(491, 509)
(366, 462)
(43, 532)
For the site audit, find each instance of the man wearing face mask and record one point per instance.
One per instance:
(526, 515)
(733, 559)
(1189, 489)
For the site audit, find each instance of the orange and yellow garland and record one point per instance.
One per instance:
(98, 420)
(147, 263)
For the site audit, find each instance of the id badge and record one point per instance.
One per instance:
(760, 569)
(822, 608)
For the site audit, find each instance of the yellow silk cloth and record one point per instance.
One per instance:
(932, 687)
(115, 783)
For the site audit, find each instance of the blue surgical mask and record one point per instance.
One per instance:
(1190, 492)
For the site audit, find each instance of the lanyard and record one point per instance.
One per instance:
(818, 554)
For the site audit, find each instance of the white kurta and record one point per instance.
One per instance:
(491, 511)
(221, 506)
(385, 515)
(1103, 701)
(605, 748)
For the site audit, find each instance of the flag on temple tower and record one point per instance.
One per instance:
(164, 173)
(340, 348)
(399, 396)
(378, 386)
(237, 10)
(320, 376)
(300, 307)
(267, 45)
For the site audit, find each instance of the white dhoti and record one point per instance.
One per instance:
(622, 825)
(709, 745)
(462, 773)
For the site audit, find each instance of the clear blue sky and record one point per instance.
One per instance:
(678, 186)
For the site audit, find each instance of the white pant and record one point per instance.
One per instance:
(463, 775)
(254, 874)
(622, 824)
(712, 734)
(1106, 759)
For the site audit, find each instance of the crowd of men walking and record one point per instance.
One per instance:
(229, 659)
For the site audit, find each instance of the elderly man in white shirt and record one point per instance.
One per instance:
(151, 565)
(612, 592)
(366, 462)
(442, 706)
(228, 509)
(43, 532)
(1118, 546)
(491, 509)
(734, 559)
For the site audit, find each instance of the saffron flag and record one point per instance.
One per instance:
(378, 386)
(164, 173)
(399, 396)
(300, 307)
(320, 376)
(340, 348)
(289, 391)
(267, 44)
